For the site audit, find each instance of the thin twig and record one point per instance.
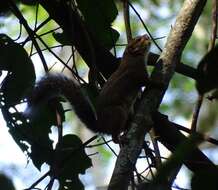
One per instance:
(23, 21)
(156, 148)
(144, 25)
(106, 143)
(196, 112)
(38, 181)
(40, 26)
(35, 25)
(204, 137)
(127, 20)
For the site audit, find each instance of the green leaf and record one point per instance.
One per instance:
(77, 160)
(41, 154)
(96, 7)
(19, 59)
(6, 183)
(156, 2)
(73, 183)
(5, 8)
(35, 135)
(72, 162)
(99, 15)
(61, 38)
(21, 74)
(205, 179)
(17, 136)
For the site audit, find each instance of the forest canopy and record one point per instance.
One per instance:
(98, 45)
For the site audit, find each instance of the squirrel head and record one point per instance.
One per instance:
(139, 46)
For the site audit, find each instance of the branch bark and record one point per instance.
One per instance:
(181, 68)
(152, 97)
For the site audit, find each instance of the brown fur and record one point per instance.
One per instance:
(116, 97)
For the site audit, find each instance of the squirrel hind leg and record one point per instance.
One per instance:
(112, 120)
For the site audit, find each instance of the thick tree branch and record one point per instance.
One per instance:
(152, 97)
(181, 68)
(169, 135)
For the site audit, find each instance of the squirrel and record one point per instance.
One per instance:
(116, 98)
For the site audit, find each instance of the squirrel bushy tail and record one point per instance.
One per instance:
(56, 85)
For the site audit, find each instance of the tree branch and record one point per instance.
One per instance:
(152, 97)
(168, 134)
(171, 138)
(127, 20)
(31, 34)
(181, 68)
(59, 12)
(105, 61)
